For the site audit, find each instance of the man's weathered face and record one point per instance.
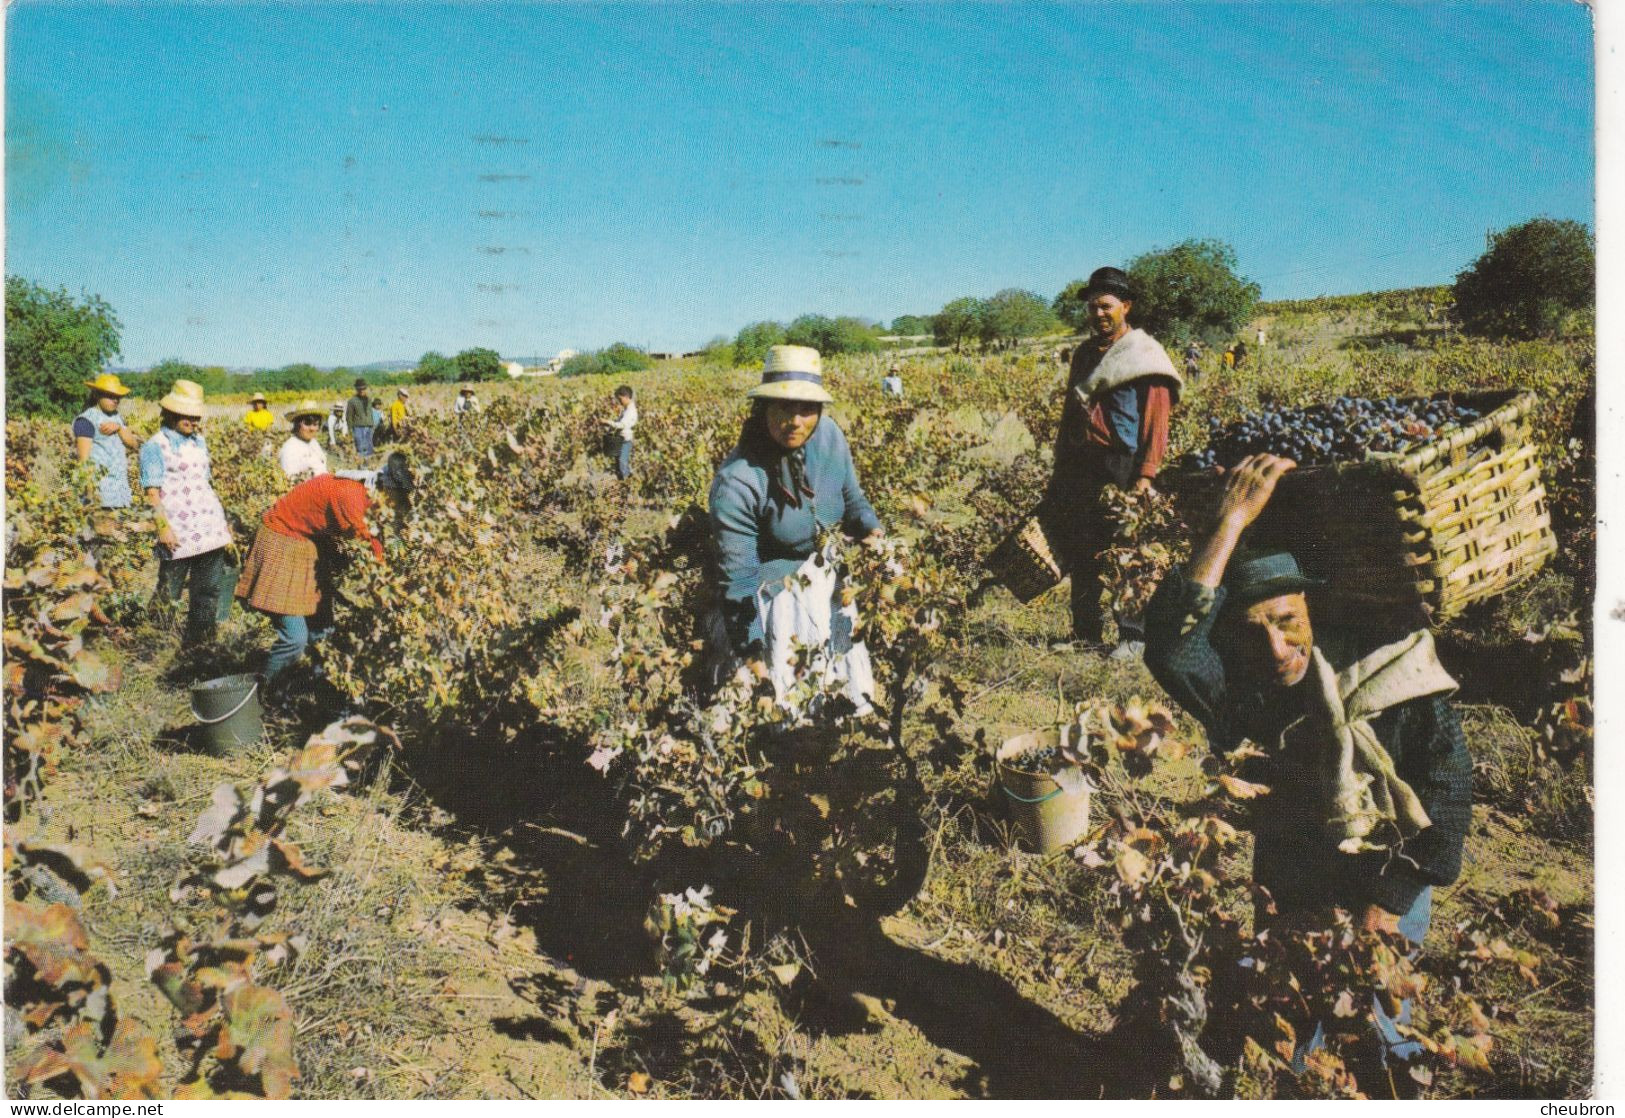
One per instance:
(1273, 638)
(1109, 313)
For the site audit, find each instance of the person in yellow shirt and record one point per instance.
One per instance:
(259, 415)
(397, 414)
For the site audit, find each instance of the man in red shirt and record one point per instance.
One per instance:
(1113, 431)
(288, 573)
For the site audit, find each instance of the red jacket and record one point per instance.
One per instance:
(324, 507)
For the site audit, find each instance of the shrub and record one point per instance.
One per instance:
(54, 343)
(1532, 278)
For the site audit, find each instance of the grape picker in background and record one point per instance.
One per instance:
(100, 435)
(358, 416)
(790, 476)
(1370, 776)
(289, 573)
(1113, 431)
(193, 534)
(302, 456)
(259, 417)
(620, 430)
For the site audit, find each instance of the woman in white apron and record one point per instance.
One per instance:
(192, 530)
(100, 435)
(790, 477)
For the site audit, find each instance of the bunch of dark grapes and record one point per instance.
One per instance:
(1346, 430)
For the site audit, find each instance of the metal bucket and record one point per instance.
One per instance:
(228, 714)
(1046, 816)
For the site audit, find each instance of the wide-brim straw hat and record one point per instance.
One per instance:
(306, 407)
(185, 398)
(258, 398)
(792, 372)
(403, 392)
(109, 384)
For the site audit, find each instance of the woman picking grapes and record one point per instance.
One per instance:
(790, 477)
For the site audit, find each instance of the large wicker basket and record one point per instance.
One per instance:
(1413, 538)
(1025, 562)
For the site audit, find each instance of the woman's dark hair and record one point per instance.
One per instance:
(624, 392)
(167, 418)
(94, 396)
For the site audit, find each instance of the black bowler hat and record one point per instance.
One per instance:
(1254, 577)
(1109, 281)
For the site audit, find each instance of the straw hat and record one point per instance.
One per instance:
(305, 407)
(185, 398)
(403, 393)
(792, 372)
(258, 398)
(108, 383)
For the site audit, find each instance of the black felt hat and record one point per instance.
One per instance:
(1254, 577)
(1109, 281)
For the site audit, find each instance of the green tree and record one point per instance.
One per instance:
(617, 358)
(833, 335)
(911, 325)
(1190, 290)
(752, 342)
(959, 321)
(719, 351)
(478, 363)
(54, 343)
(1529, 281)
(434, 368)
(1013, 314)
(298, 377)
(1071, 307)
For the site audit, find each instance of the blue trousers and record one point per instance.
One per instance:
(293, 635)
(623, 460)
(1394, 1049)
(363, 441)
(200, 577)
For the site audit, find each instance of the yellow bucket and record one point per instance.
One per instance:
(1046, 816)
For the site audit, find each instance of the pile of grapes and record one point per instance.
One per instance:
(1345, 430)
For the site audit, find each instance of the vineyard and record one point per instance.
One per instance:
(496, 845)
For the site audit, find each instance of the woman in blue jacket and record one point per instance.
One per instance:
(790, 476)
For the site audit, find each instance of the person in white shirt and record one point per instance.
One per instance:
(302, 456)
(892, 383)
(336, 427)
(466, 401)
(620, 429)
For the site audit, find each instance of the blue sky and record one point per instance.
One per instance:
(256, 185)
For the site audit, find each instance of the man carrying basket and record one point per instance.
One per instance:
(1113, 431)
(1371, 782)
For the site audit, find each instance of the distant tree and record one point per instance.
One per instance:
(833, 335)
(959, 321)
(54, 343)
(617, 358)
(1530, 280)
(1071, 307)
(477, 364)
(911, 325)
(1013, 314)
(155, 383)
(434, 368)
(752, 342)
(718, 351)
(298, 377)
(1190, 290)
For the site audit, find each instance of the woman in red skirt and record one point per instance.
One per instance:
(288, 573)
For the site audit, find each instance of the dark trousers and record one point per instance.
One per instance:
(1078, 528)
(623, 459)
(200, 577)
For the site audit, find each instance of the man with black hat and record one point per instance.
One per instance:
(358, 415)
(1371, 782)
(1113, 431)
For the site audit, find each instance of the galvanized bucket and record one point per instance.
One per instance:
(228, 714)
(1046, 816)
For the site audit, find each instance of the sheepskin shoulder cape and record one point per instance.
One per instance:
(1134, 355)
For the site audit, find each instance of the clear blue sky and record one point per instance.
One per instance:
(257, 185)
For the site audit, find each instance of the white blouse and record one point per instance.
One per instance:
(299, 458)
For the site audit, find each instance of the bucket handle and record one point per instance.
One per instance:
(255, 686)
(1032, 799)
